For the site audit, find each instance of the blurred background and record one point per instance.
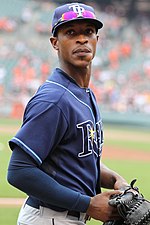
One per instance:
(121, 72)
(120, 80)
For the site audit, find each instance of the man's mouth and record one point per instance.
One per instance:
(81, 51)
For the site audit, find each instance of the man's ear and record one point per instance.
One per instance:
(97, 37)
(54, 42)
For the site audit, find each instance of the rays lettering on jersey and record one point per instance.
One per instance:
(92, 138)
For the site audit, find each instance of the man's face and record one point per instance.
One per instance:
(76, 43)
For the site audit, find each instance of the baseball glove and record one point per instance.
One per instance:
(133, 208)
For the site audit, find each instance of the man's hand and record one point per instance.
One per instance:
(99, 208)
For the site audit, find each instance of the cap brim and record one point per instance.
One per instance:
(98, 24)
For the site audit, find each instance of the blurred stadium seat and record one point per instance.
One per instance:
(121, 72)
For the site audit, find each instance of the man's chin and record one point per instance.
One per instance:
(83, 63)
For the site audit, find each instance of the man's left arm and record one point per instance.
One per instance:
(111, 179)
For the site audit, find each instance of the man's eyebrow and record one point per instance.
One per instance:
(68, 25)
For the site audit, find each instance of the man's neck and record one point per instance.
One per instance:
(80, 74)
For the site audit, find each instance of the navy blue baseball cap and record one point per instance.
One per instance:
(72, 12)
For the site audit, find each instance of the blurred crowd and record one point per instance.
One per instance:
(121, 72)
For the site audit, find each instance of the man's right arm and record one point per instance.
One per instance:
(25, 175)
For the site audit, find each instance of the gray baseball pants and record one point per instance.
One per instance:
(45, 216)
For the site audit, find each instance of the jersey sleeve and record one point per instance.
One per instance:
(24, 174)
(43, 128)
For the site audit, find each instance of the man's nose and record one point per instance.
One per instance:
(82, 39)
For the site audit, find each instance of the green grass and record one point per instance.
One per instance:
(8, 216)
(138, 146)
(5, 153)
(8, 122)
(133, 170)
(130, 169)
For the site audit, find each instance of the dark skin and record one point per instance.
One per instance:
(76, 47)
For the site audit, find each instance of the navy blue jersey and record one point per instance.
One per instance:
(62, 132)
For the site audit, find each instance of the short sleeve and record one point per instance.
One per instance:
(43, 128)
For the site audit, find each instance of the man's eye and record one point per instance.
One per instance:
(89, 31)
(70, 32)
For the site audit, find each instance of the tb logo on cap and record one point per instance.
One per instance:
(77, 9)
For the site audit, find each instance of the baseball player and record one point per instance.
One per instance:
(56, 153)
